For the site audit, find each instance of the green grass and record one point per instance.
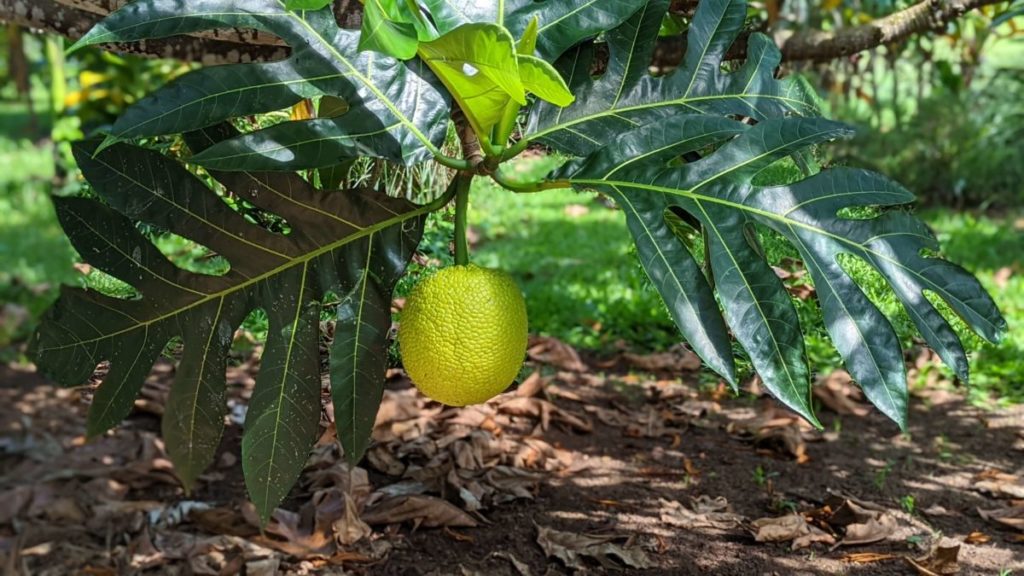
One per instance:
(584, 284)
(34, 255)
(570, 252)
(571, 255)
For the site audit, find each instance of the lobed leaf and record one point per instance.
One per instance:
(640, 169)
(401, 103)
(626, 95)
(353, 243)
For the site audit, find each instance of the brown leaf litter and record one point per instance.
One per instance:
(575, 470)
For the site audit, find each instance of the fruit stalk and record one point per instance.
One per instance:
(461, 210)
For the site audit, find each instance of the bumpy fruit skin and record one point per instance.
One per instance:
(463, 334)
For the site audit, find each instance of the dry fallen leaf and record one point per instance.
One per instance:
(676, 359)
(521, 567)
(859, 523)
(793, 528)
(785, 440)
(350, 528)
(781, 529)
(940, 560)
(1011, 516)
(547, 350)
(999, 484)
(838, 393)
(573, 549)
(872, 530)
(869, 557)
(422, 510)
(703, 511)
(977, 538)
(532, 385)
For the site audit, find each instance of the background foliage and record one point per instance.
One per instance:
(616, 100)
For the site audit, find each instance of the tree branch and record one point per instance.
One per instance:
(72, 18)
(929, 15)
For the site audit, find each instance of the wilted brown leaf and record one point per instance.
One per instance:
(420, 509)
(839, 394)
(872, 530)
(296, 536)
(521, 567)
(676, 359)
(548, 350)
(349, 528)
(532, 385)
(942, 559)
(977, 538)
(1011, 516)
(857, 520)
(793, 528)
(869, 557)
(703, 511)
(999, 484)
(573, 549)
(545, 411)
(786, 440)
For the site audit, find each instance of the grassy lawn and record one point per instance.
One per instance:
(571, 254)
(572, 258)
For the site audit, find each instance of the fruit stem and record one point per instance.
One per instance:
(461, 213)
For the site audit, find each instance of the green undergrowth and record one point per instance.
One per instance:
(570, 252)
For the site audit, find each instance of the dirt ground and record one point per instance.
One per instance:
(588, 467)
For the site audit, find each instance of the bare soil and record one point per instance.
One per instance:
(587, 468)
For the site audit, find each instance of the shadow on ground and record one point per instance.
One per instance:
(617, 451)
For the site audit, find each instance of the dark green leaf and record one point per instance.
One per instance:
(1015, 10)
(332, 234)
(717, 190)
(306, 4)
(627, 95)
(402, 100)
(359, 351)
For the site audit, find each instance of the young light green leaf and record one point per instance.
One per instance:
(542, 79)
(385, 33)
(527, 44)
(561, 25)
(477, 62)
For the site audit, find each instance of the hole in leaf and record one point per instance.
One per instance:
(108, 285)
(968, 338)
(779, 173)
(859, 212)
(254, 329)
(874, 285)
(187, 254)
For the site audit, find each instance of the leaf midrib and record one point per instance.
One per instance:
(369, 86)
(655, 105)
(771, 216)
(304, 259)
